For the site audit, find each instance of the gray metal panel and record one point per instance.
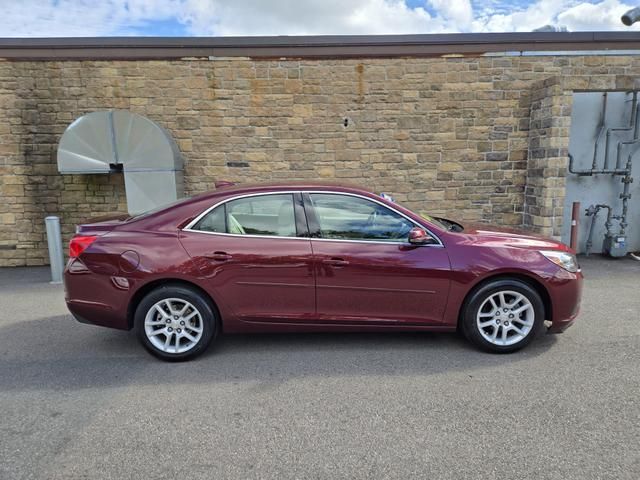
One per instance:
(600, 189)
(86, 145)
(149, 157)
(147, 190)
(143, 145)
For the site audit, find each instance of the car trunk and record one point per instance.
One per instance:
(101, 225)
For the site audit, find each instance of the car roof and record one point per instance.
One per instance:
(286, 186)
(197, 202)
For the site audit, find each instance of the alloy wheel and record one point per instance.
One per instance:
(173, 325)
(505, 318)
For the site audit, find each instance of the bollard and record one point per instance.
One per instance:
(54, 242)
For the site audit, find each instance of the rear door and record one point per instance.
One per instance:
(256, 257)
(366, 271)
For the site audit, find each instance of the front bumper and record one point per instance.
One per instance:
(565, 290)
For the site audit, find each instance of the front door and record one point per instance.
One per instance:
(254, 258)
(366, 271)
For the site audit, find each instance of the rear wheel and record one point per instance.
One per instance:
(503, 315)
(175, 323)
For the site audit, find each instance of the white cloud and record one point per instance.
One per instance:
(458, 12)
(302, 17)
(601, 16)
(572, 14)
(296, 17)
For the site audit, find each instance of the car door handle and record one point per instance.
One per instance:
(219, 256)
(336, 262)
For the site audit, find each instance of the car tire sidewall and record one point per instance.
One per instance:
(207, 313)
(470, 310)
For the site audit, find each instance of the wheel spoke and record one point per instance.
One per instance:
(161, 311)
(517, 300)
(169, 307)
(517, 330)
(523, 321)
(154, 323)
(177, 342)
(193, 328)
(487, 323)
(189, 336)
(503, 302)
(494, 334)
(184, 309)
(167, 341)
(158, 332)
(523, 308)
(505, 330)
(190, 316)
(484, 315)
(493, 304)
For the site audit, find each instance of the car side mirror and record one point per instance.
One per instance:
(419, 236)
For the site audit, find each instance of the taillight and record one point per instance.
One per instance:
(79, 244)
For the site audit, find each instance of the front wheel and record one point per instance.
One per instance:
(175, 322)
(503, 316)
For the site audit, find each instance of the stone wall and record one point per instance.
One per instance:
(460, 137)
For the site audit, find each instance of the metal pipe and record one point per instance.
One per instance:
(592, 172)
(631, 16)
(575, 215)
(594, 164)
(592, 211)
(626, 195)
(632, 124)
(54, 243)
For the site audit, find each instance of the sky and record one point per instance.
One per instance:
(87, 18)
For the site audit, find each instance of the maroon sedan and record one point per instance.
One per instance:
(313, 258)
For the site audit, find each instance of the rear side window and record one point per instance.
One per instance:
(269, 215)
(213, 221)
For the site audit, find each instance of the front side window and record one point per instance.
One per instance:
(344, 217)
(271, 215)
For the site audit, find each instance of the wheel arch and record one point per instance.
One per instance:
(532, 282)
(154, 284)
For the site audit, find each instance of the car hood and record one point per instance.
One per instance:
(513, 237)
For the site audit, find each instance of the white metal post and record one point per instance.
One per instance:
(54, 242)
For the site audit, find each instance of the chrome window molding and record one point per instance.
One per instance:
(193, 222)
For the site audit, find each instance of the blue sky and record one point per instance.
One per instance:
(46, 18)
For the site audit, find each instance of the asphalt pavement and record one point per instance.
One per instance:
(84, 402)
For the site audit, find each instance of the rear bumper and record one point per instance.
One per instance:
(94, 299)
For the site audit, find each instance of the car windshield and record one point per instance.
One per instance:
(443, 223)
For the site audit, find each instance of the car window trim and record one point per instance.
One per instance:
(312, 217)
(298, 222)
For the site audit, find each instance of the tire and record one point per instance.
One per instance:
(502, 316)
(176, 323)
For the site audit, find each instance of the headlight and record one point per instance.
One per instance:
(562, 259)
